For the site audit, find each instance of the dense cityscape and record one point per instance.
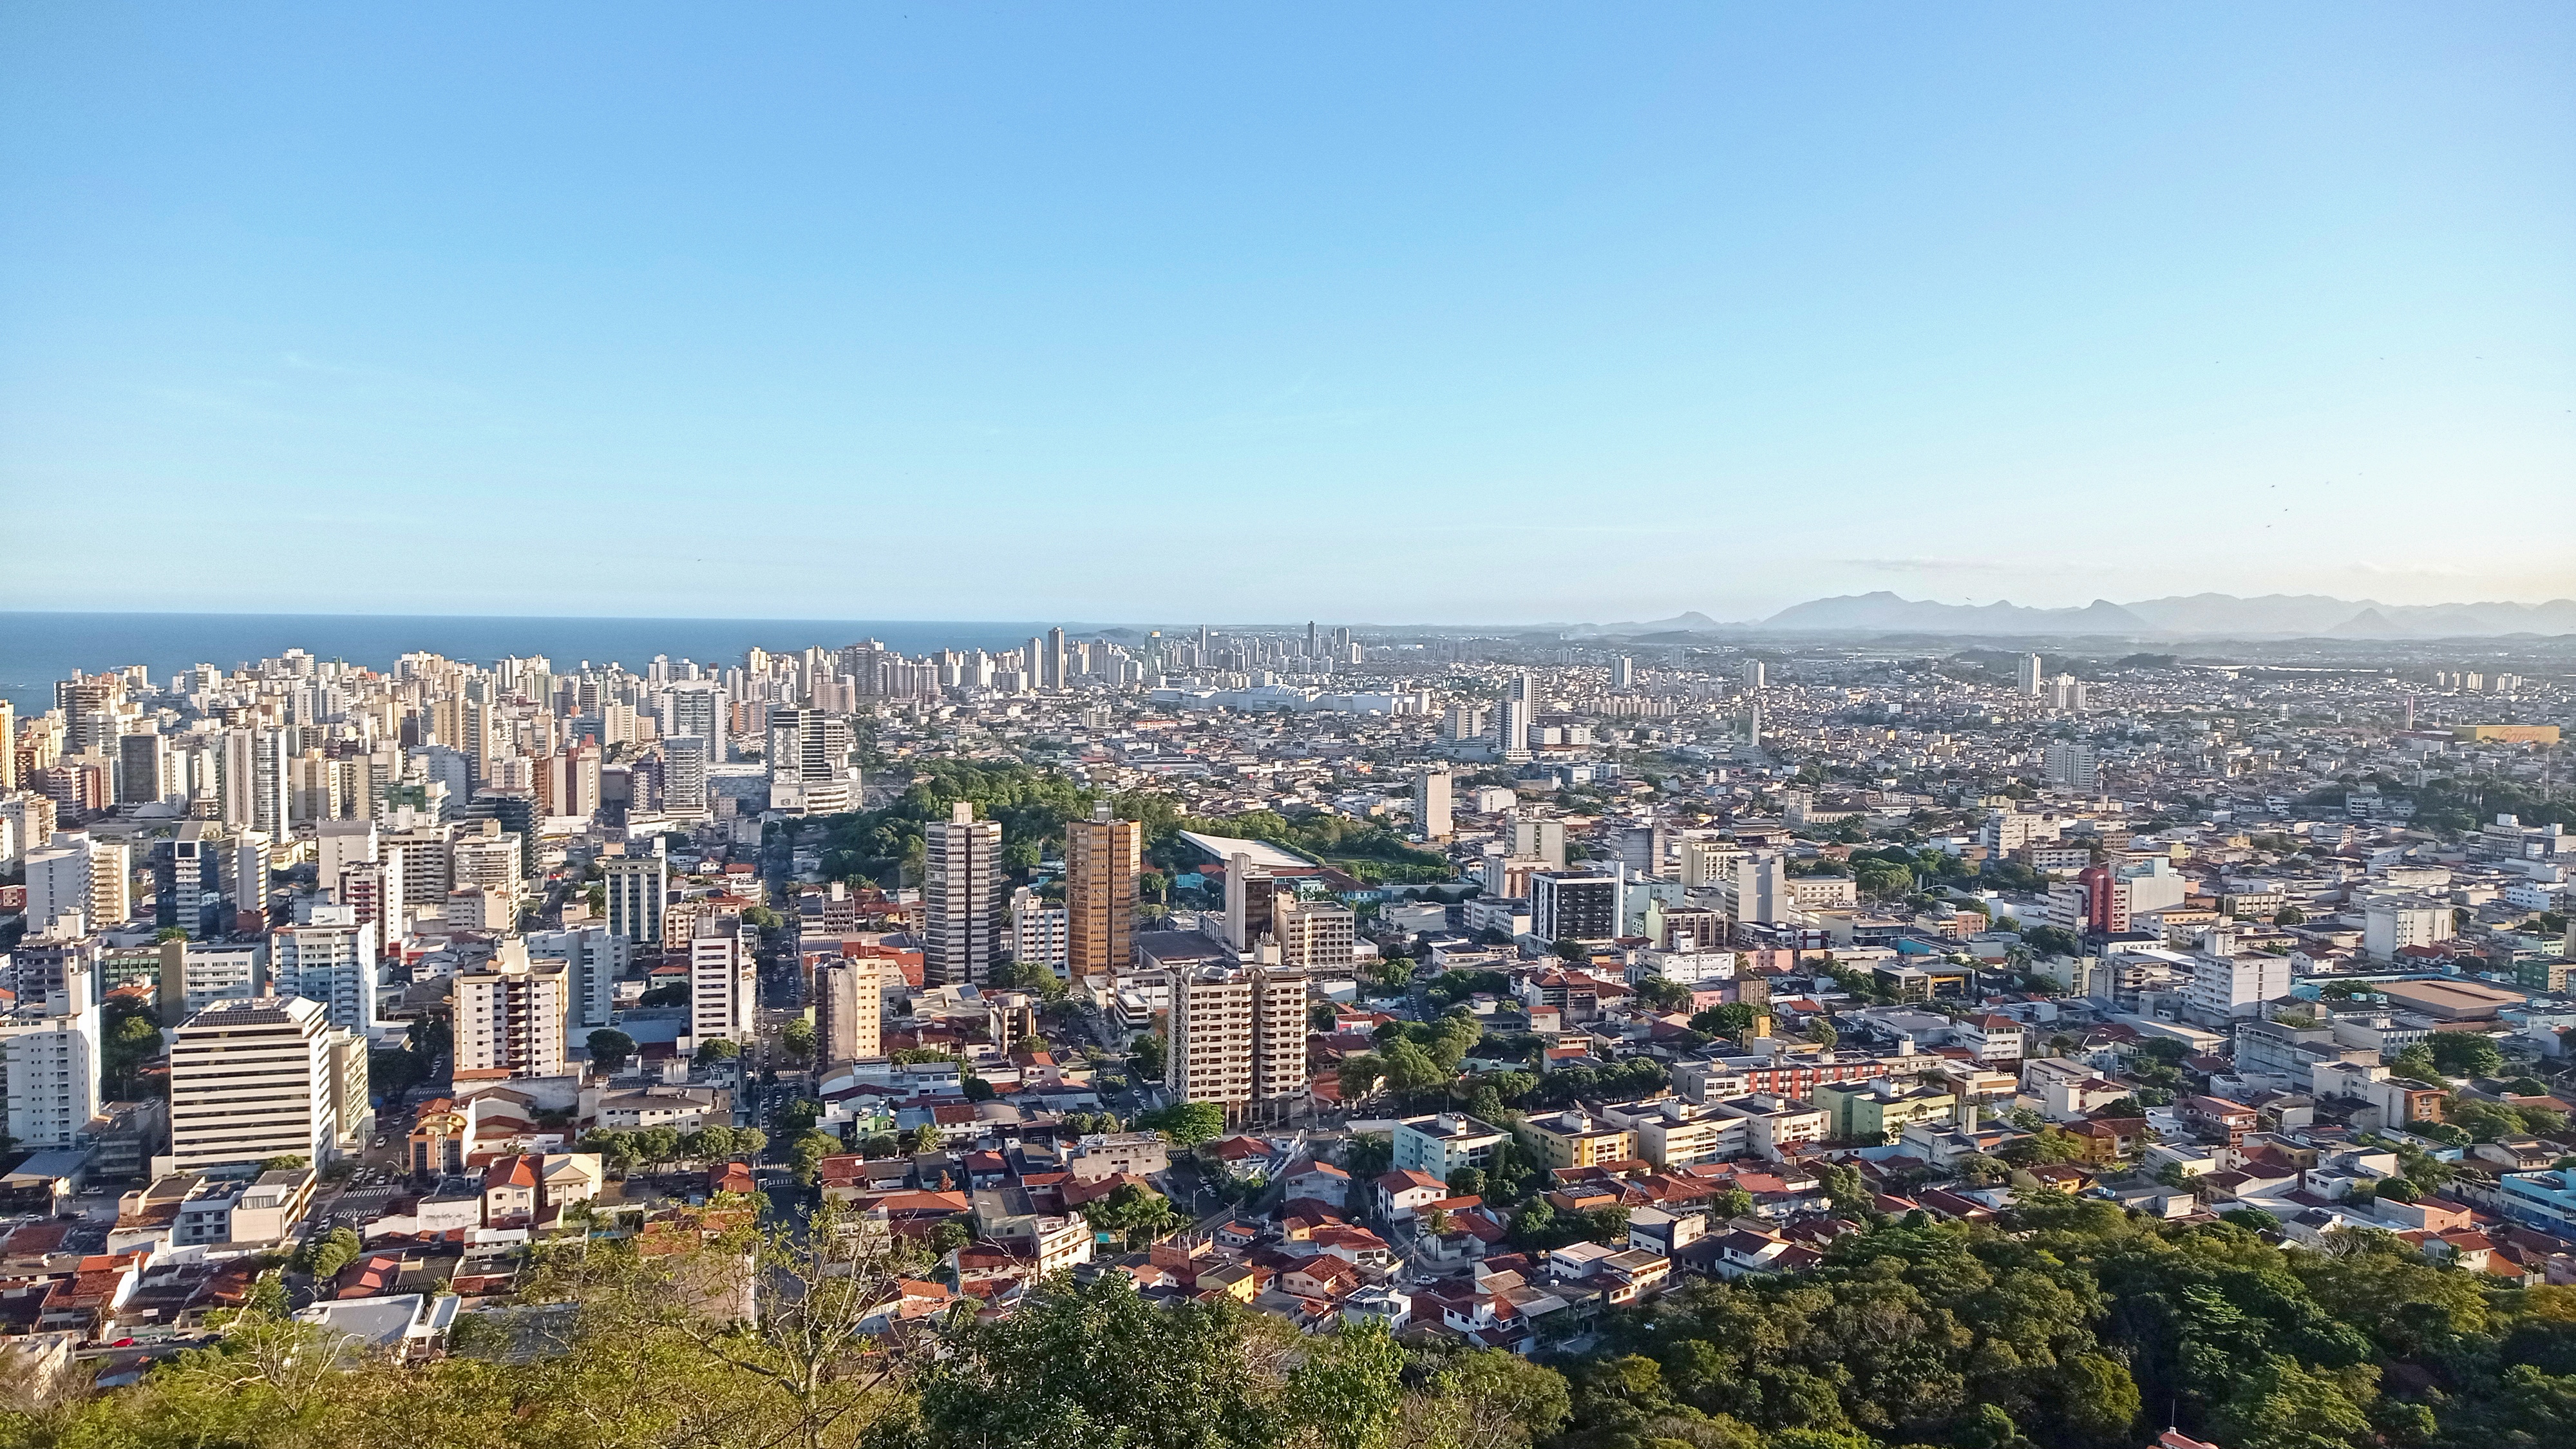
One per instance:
(1348, 1036)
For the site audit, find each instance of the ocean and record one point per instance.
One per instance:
(38, 649)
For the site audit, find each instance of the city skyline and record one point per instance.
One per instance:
(2044, 307)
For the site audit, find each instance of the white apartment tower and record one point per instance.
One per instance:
(637, 885)
(331, 959)
(251, 1080)
(78, 874)
(962, 900)
(684, 776)
(50, 1050)
(724, 983)
(2029, 677)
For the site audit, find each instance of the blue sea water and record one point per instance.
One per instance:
(38, 649)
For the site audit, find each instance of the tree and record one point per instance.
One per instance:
(2416, 1061)
(2096, 1398)
(1821, 1032)
(1733, 1019)
(1149, 1057)
(796, 1038)
(1187, 1124)
(1467, 1182)
(2464, 1054)
(1136, 1212)
(1090, 1365)
(1351, 1386)
(2278, 1404)
(609, 1048)
(1572, 950)
(658, 1145)
(1360, 1075)
(1488, 1399)
(325, 1256)
(717, 1049)
(806, 1154)
(1663, 995)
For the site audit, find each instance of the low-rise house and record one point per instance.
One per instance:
(1402, 1193)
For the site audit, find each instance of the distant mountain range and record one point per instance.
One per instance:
(2287, 616)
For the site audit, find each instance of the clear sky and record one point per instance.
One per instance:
(1369, 312)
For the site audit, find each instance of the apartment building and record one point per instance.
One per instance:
(510, 1014)
(256, 1079)
(1238, 1037)
(849, 1011)
(1101, 858)
(331, 959)
(49, 1050)
(1443, 1143)
(724, 982)
(962, 898)
(636, 887)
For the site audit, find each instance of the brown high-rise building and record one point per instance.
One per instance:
(1101, 857)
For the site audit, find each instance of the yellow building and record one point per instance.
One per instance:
(1571, 1139)
(2505, 734)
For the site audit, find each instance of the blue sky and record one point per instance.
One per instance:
(1398, 313)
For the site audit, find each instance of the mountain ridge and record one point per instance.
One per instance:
(2180, 616)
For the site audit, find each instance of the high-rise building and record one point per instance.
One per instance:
(1540, 840)
(2071, 765)
(962, 898)
(636, 887)
(1316, 936)
(1431, 811)
(143, 769)
(849, 1010)
(186, 874)
(484, 860)
(1753, 674)
(8, 747)
(1051, 672)
(1762, 889)
(78, 873)
(2028, 674)
(29, 819)
(809, 762)
(510, 1015)
(1038, 931)
(1623, 673)
(50, 1049)
(339, 844)
(330, 959)
(1238, 1037)
(1251, 903)
(1512, 735)
(1642, 847)
(251, 780)
(698, 711)
(1102, 856)
(1568, 907)
(684, 776)
(2066, 694)
(422, 852)
(724, 983)
(261, 1078)
(197, 974)
(594, 958)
